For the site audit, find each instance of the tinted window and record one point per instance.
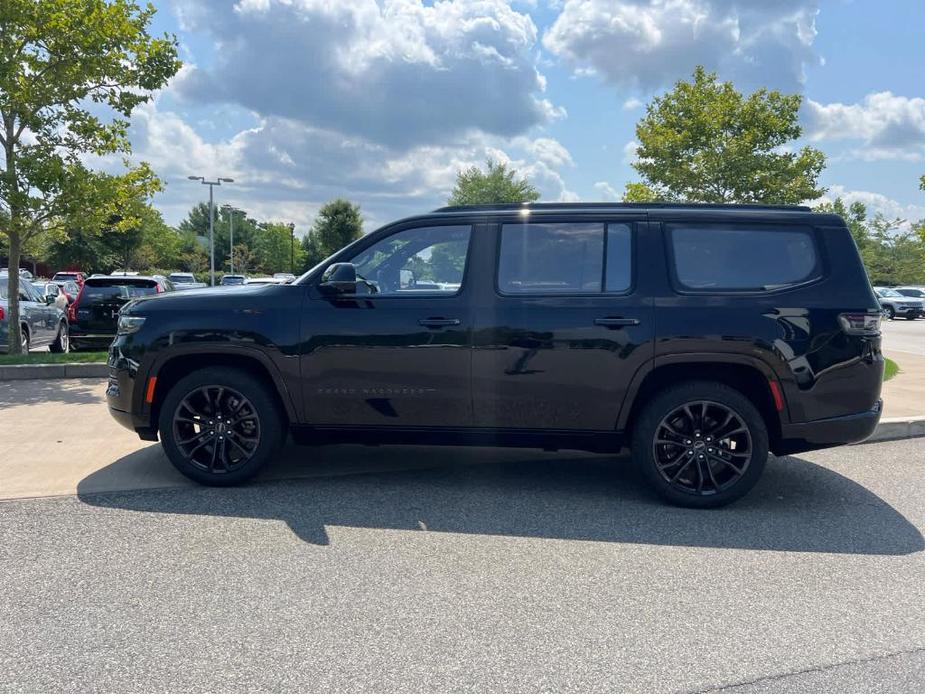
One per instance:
(619, 272)
(566, 257)
(742, 258)
(551, 257)
(105, 293)
(424, 260)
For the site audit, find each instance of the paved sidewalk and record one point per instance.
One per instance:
(904, 394)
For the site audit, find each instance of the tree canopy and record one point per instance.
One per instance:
(497, 184)
(893, 252)
(704, 141)
(338, 223)
(63, 65)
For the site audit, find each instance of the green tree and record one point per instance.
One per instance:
(855, 217)
(338, 223)
(496, 185)
(60, 60)
(274, 249)
(895, 255)
(705, 142)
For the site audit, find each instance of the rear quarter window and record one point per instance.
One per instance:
(742, 258)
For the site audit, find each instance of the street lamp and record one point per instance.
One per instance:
(211, 184)
(232, 211)
(291, 248)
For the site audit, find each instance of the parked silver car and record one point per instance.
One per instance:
(185, 280)
(896, 304)
(43, 324)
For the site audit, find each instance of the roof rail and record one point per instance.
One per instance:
(507, 206)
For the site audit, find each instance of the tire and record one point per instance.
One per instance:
(670, 449)
(911, 316)
(62, 343)
(24, 338)
(188, 431)
(890, 312)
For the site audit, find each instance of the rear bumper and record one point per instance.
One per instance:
(825, 433)
(82, 340)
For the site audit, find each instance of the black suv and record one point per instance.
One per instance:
(95, 311)
(701, 337)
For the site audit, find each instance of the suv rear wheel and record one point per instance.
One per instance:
(220, 426)
(701, 444)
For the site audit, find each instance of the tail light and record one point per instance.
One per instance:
(157, 289)
(72, 309)
(2, 314)
(860, 323)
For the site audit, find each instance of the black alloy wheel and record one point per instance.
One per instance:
(702, 447)
(700, 444)
(220, 425)
(216, 428)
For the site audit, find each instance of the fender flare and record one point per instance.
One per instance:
(652, 364)
(179, 351)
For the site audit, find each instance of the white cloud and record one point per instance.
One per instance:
(607, 192)
(398, 73)
(886, 126)
(285, 170)
(630, 153)
(648, 44)
(632, 104)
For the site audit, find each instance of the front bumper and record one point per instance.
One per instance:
(120, 396)
(826, 433)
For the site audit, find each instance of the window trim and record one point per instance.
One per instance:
(416, 295)
(632, 224)
(820, 269)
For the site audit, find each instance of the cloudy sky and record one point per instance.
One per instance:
(301, 101)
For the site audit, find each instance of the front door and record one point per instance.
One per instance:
(396, 354)
(564, 327)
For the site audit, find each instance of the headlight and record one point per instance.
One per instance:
(130, 324)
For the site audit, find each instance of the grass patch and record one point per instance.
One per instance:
(50, 358)
(890, 369)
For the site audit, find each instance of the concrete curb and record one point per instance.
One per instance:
(24, 372)
(895, 428)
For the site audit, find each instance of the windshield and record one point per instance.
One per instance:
(889, 292)
(181, 278)
(912, 292)
(3, 293)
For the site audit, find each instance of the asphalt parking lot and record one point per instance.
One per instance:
(416, 569)
(904, 336)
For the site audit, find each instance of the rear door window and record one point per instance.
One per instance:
(565, 258)
(742, 257)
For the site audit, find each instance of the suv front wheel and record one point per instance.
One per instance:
(701, 444)
(220, 426)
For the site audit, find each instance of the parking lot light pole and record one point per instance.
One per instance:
(232, 211)
(211, 184)
(292, 248)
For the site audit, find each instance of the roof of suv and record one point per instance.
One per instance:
(657, 210)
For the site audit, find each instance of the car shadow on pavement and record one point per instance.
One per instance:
(69, 391)
(798, 506)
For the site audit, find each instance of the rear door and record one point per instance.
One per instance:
(563, 325)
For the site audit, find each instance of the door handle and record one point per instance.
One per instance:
(615, 322)
(438, 322)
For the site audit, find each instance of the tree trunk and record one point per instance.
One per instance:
(14, 338)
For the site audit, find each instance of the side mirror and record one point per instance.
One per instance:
(339, 278)
(51, 298)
